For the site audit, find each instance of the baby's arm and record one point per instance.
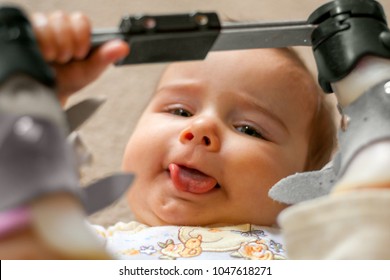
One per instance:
(64, 40)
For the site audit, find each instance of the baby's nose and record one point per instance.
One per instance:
(201, 132)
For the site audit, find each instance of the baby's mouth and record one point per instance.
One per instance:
(191, 180)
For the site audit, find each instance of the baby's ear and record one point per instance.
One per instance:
(305, 186)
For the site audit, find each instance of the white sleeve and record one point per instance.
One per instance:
(349, 226)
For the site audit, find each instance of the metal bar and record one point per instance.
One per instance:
(167, 41)
(235, 36)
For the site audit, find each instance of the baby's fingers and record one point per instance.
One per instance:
(81, 28)
(62, 37)
(45, 36)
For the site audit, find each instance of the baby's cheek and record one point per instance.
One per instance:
(129, 155)
(140, 155)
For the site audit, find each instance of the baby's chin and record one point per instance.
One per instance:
(184, 220)
(150, 218)
(155, 214)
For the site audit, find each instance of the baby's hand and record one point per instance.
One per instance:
(64, 40)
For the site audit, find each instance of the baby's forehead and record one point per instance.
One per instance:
(283, 68)
(263, 58)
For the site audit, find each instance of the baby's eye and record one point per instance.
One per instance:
(181, 112)
(247, 129)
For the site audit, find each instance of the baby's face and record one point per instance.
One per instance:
(217, 135)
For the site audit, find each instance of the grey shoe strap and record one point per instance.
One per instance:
(369, 123)
(35, 159)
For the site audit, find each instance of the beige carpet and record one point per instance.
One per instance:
(129, 88)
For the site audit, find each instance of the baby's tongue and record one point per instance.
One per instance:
(191, 180)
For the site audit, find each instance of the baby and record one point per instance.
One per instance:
(216, 136)
(219, 133)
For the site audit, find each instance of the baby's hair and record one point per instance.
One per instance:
(323, 137)
(323, 134)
